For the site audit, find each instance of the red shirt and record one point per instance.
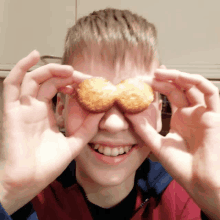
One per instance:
(55, 202)
(155, 196)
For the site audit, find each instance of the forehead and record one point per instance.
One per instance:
(97, 68)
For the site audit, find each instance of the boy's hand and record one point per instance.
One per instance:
(190, 152)
(34, 153)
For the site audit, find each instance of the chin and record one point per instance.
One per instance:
(112, 179)
(93, 172)
(105, 176)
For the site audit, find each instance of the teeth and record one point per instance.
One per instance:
(101, 149)
(96, 146)
(111, 151)
(115, 152)
(121, 150)
(126, 149)
(107, 151)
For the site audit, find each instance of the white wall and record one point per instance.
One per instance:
(188, 31)
(27, 25)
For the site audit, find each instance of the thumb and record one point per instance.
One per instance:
(84, 134)
(173, 107)
(146, 132)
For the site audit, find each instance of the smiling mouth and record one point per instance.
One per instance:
(111, 152)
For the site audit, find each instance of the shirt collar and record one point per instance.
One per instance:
(151, 178)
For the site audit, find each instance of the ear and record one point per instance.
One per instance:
(59, 112)
(159, 117)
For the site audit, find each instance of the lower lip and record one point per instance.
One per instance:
(112, 160)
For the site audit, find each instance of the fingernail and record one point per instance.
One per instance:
(34, 52)
(82, 76)
(70, 68)
(162, 67)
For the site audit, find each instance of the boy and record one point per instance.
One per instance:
(64, 178)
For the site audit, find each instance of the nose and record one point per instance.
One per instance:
(113, 121)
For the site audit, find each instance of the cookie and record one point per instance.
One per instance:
(134, 96)
(98, 95)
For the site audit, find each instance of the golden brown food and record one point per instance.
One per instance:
(99, 95)
(134, 96)
(96, 94)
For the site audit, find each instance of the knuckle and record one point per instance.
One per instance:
(20, 63)
(5, 82)
(8, 80)
(200, 78)
(184, 74)
(175, 71)
(28, 76)
(21, 66)
(181, 75)
(47, 67)
(196, 75)
(216, 89)
(50, 65)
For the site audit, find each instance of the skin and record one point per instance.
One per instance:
(34, 153)
(102, 182)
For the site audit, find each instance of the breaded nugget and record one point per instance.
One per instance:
(99, 95)
(96, 94)
(134, 96)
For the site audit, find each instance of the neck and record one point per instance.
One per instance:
(104, 196)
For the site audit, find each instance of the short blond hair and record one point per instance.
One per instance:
(113, 33)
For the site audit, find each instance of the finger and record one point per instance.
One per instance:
(67, 90)
(191, 94)
(32, 80)
(174, 95)
(146, 132)
(162, 67)
(173, 108)
(195, 96)
(50, 88)
(84, 134)
(164, 148)
(13, 81)
(210, 91)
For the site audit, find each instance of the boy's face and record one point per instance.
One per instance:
(114, 128)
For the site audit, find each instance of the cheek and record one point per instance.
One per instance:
(143, 151)
(74, 116)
